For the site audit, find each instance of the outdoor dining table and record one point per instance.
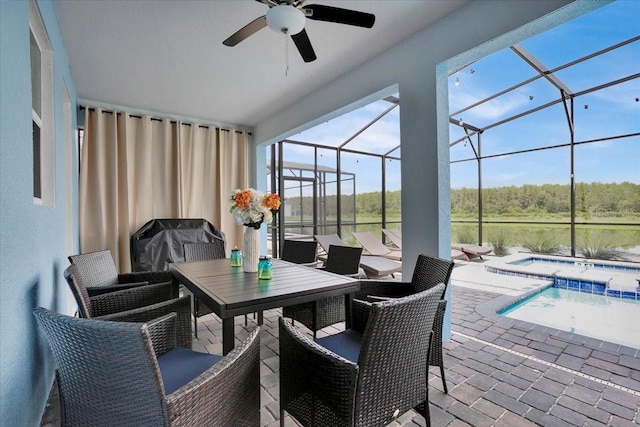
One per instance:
(229, 291)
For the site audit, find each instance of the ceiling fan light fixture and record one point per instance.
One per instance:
(286, 19)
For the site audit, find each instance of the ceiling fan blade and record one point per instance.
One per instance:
(244, 32)
(304, 46)
(321, 12)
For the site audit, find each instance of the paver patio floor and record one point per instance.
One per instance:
(500, 372)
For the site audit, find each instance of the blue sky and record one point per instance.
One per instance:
(611, 111)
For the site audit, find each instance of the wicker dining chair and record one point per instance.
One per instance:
(204, 250)
(299, 251)
(360, 377)
(138, 304)
(100, 275)
(428, 272)
(135, 374)
(321, 313)
(343, 259)
(200, 252)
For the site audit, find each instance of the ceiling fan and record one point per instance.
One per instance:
(289, 16)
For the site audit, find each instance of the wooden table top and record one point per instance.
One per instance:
(229, 291)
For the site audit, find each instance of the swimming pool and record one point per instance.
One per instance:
(610, 278)
(603, 317)
(582, 264)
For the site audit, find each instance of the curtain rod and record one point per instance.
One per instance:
(155, 119)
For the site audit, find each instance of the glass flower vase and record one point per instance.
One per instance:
(251, 249)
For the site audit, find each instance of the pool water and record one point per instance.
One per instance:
(610, 319)
(580, 264)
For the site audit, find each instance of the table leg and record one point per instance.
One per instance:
(195, 316)
(348, 298)
(260, 318)
(228, 338)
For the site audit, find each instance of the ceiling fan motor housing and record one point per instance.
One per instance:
(289, 16)
(285, 19)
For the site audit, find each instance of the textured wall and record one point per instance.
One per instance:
(32, 238)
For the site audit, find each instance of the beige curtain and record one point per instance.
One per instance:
(134, 169)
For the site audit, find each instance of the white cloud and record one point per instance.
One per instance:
(492, 110)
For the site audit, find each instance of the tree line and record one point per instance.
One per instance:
(592, 199)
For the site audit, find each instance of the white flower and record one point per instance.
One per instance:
(250, 207)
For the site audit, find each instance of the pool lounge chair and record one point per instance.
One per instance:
(471, 251)
(395, 235)
(458, 254)
(374, 246)
(326, 240)
(376, 267)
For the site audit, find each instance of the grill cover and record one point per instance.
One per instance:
(159, 242)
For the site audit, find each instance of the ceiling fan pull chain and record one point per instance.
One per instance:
(286, 55)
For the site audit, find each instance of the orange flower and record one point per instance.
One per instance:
(251, 207)
(271, 201)
(243, 199)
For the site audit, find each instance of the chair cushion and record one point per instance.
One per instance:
(180, 365)
(346, 344)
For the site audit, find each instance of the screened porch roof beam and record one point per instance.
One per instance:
(368, 125)
(550, 72)
(540, 68)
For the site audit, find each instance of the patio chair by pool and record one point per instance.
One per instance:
(395, 235)
(374, 246)
(328, 311)
(138, 304)
(429, 272)
(337, 380)
(471, 251)
(100, 275)
(134, 374)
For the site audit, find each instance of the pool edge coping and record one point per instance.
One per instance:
(506, 266)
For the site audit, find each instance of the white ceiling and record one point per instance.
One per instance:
(168, 57)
